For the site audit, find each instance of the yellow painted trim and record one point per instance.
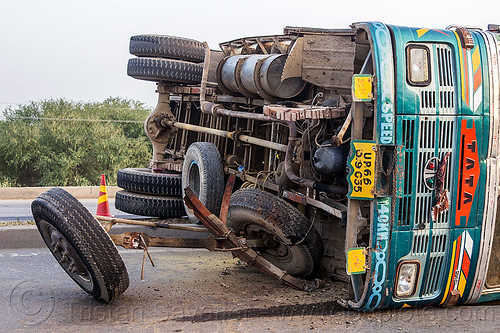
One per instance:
(447, 290)
(102, 188)
(421, 32)
(461, 284)
(476, 60)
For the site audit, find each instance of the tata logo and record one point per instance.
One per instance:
(430, 171)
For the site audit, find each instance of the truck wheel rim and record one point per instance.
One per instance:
(274, 250)
(66, 255)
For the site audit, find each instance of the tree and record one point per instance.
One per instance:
(58, 142)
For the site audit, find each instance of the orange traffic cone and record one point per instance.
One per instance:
(102, 202)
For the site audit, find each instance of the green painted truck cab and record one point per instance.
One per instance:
(434, 236)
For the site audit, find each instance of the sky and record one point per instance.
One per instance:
(78, 50)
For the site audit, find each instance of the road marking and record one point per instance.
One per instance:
(32, 254)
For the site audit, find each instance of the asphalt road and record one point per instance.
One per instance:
(20, 210)
(199, 291)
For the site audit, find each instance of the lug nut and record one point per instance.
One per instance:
(64, 256)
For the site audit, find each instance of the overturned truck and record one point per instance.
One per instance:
(367, 155)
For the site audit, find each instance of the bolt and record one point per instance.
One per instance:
(65, 256)
(55, 246)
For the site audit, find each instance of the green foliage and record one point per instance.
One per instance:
(66, 143)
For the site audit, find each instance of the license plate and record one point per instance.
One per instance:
(362, 166)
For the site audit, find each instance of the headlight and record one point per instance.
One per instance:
(418, 65)
(406, 281)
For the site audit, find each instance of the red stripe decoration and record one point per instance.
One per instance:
(465, 264)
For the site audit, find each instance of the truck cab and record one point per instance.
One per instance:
(433, 237)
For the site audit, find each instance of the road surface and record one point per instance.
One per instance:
(200, 291)
(20, 210)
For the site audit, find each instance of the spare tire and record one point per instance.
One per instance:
(159, 70)
(80, 244)
(145, 181)
(202, 172)
(149, 205)
(169, 47)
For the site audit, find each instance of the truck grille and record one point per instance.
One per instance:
(408, 134)
(420, 243)
(435, 247)
(439, 97)
(427, 132)
(435, 139)
(436, 261)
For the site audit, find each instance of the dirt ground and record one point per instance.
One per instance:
(199, 291)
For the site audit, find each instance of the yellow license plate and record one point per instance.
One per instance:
(362, 175)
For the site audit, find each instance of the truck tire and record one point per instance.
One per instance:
(149, 205)
(283, 230)
(170, 47)
(80, 244)
(159, 70)
(139, 180)
(202, 172)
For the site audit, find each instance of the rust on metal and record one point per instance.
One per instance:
(164, 88)
(129, 240)
(226, 198)
(132, 240)
(465, 38)
(294, 196)
(113, 221)
(228, 240)
(301, 113)
(258, 45)
(109, 225)
(442, 203)
(452, 298)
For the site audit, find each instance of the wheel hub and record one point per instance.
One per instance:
(66, 254)
(273, 247)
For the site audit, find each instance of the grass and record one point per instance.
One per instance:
(16, 223)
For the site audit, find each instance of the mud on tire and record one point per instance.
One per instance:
(289, 242)
(80, 244)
